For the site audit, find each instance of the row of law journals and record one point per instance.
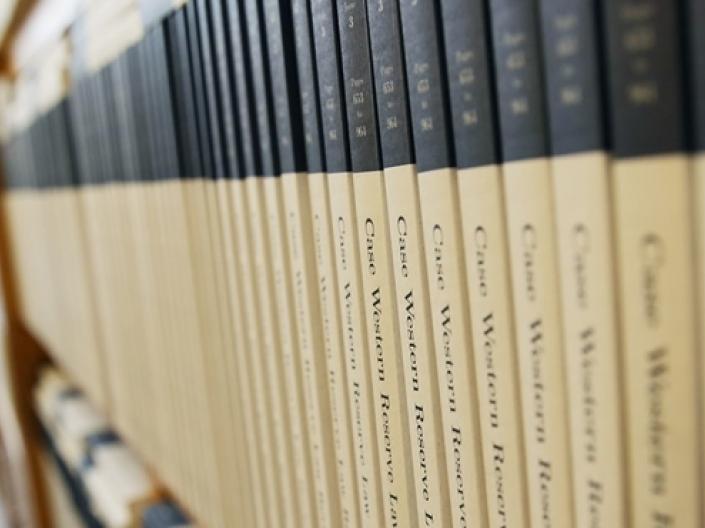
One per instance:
(384, 262)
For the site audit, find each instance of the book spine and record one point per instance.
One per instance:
(696, 52)
(428, 453)
(403, 224)
(393, 442)
(652, 197)
(445, 276)
(583, 198)
(532, 249)
(486, 259)
(327, 60)
(364, 157)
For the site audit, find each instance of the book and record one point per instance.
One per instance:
(655, 260)
(584, 230)
(406, 259)
(482, 215)
(391, 413)
(351, 34)
(695, 66)
(533, 259)
(336, 160)
(445, 275)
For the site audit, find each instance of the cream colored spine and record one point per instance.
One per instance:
(454, 349)
(418, 351)
(533, 253)
(392, 421)
(481, 196)
(697, 164)
(593, 357)
(581, 178)
(341, 424)
(652, 189)
(532, 243)
(655, 255)
(357, 361)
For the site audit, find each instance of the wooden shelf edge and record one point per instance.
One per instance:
(23, 9)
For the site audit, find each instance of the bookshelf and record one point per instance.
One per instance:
(362, 263)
